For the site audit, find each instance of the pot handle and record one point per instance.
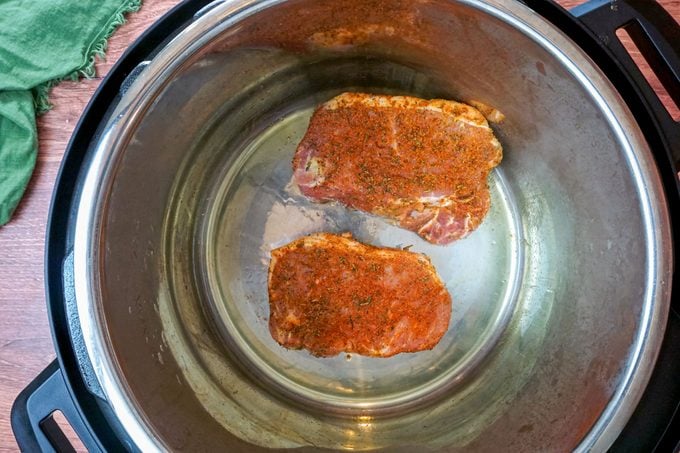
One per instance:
(34, 426)
(657, 35)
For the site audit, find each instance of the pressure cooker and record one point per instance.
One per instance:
(565, 333)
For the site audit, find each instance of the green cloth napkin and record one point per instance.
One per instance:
(41, 43)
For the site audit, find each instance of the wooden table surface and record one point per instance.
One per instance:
(25, 341)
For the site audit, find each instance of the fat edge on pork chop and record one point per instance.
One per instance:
(422, 164)
(330, 294)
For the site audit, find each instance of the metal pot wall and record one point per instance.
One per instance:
(175, 189)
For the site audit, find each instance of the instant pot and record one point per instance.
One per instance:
(565, 333)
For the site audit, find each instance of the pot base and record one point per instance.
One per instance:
(255, 208)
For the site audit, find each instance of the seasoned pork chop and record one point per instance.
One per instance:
(330, 294)
(421, 163)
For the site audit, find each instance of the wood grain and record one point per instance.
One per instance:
(25, 341)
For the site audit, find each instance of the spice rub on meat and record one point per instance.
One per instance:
(421, 163)
(329, 294)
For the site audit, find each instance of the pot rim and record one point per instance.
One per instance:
(210, 23)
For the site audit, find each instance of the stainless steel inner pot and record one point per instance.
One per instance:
(560, 297)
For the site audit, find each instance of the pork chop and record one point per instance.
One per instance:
(329, 294)
(423, 164)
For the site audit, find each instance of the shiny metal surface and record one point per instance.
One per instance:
(559, 298)
(254, 208)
